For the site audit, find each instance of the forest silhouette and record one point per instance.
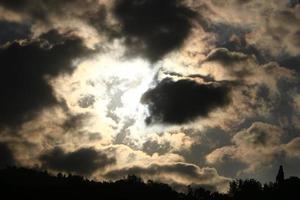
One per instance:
(24, 183)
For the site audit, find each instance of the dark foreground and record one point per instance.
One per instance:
(21, 183)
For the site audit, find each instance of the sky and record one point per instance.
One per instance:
(185, 92)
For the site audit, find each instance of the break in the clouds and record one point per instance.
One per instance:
(179, 91)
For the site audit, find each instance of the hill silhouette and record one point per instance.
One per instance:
(24, 183)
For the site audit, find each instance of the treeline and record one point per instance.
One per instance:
(22, 183)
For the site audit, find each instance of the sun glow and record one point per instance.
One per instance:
(110, 88)
(129, 78)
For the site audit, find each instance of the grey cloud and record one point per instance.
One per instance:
(42, 16)
(75, 121)
(205, 141)
(6, 156)
(257, 147)
(152, 147)
(86, 101)
(84, 161)
(272, 37)
(153, 28)
(25, 66)
(13, 31)
(293, 147)
(178, 102)
(175, 173)
(296, 38)
(42, 9)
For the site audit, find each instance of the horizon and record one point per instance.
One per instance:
(18, 173)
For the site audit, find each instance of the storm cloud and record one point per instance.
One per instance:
(13, 31)
(26, 67)
(182, 101)
(83, 161)
(153, 28)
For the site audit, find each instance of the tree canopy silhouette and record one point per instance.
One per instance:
(17, 183)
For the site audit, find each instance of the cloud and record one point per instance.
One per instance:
(258, 146)
(13, 31)
(226, 57)
(167, 142)
(232, 103)
(293, 147)
(43, 16)
(84, 161)
(86, 101)
(26, 68)
(182, 101)
(6, 155)
(272, 35)
(175, 173)
(43, 10)
(260, 92)
(74, 122)
(153, 28)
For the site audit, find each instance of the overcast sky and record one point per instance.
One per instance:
(180, 91)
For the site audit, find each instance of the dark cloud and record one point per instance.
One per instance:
(234, 38)
(225, 32)
(172, 172)
(83, 161)
(294, 3)
(182, 101)
(54, 36)
(230, 167)
(152, 147)
(152, 28)
(6, 156)
(188, 171)
(296, 38)
(86, 101)
(205, 142)
(255, 148)
(24, 69)
(290, 62)
(237, 64)
(75, 121)
(13, 31)
(42, 10)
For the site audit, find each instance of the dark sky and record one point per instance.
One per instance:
(180, 91)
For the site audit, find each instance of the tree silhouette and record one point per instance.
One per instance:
(280, 175)
(22, 183)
